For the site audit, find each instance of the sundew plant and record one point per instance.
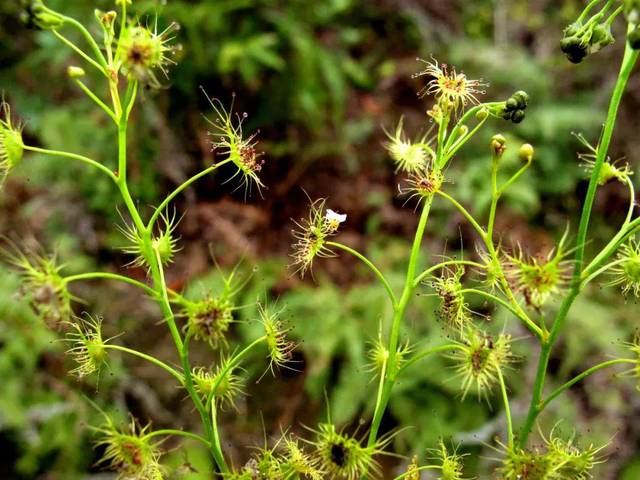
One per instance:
(133, 54)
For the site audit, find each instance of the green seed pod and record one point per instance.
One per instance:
(512, 104)
(574, 49)
(517, 116)
(522, 99)
(506, 114)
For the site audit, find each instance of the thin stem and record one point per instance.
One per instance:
(216, 447)
(600, 271)
(432, 269)
(179, 433)
(73, 156)
(418, 469)
(177, 191)
(131, 98)
(97, 100)
(231, 364)
(514, 178)
(79, 51)
(535, 329)
(388, 380)
(464, 212)
(425, 353)
(507, 408)
(632, 201)
(90, 40)
(453, 149)
(148, 358)
(536, 406)
(369, 264)
(582, 376)
(613, 246)
(110, 276)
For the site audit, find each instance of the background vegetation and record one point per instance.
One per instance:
(321, 81)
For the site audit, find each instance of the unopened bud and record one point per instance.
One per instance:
(482, 114)
(75, 72)
(498, 145)
(526, 152)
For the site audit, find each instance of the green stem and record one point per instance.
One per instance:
(177, 191)
(419, 469)
(536, 406)
(507, 409)
(600, 271)
(535, 329)
(453, 149)
(97, 100)
(216, 447)
(582, 376)
(159, 282)
(514, 178)
(464, 212)
(388, 380)
(180, 433)
(432, 269)
(79, 51)
(231, 364)
(425, 353)
(90, 40)
(369, 264)
(612, 246)
(149, 358)
(110, 276)
(73, 156)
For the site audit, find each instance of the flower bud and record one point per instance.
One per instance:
(526, 152)
(107, 19)
(75, 72)
(574, 49)
(36, 15)
(498, 145)
(601, 37)
(482, 114)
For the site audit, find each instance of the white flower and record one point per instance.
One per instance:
(334, 219)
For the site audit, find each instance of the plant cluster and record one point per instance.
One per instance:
(133, 55)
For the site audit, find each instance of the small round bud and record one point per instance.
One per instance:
(498, 145)
(572, 30)
(506, 114)
(75, 72)
(482, 114)
(600, 38)
(517, 116)
(526, 152)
